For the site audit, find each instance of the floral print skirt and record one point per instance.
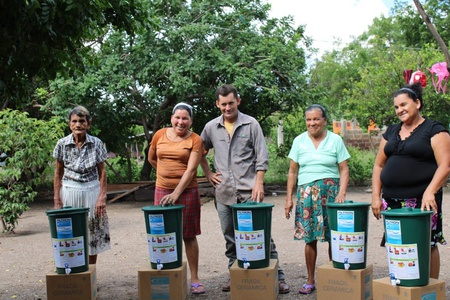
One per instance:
(311, 217)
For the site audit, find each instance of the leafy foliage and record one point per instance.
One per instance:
(28, 142)
(118, 170)
(129, 62)
(41, 38)
(13, 203)
(359, 81)
(193, 48)
(360, 165)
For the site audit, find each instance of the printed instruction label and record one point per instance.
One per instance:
(156, 223)
(393, 231)
(70, 251)
(245, 220)
(162, 247)
(250, 245)
(64, 228)
(403, 260)
(347, 245)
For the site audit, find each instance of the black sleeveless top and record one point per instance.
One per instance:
(410, 164)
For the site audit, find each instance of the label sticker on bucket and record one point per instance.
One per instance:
(70, 251)
(250, 245)
(393, 231)
(64, 228)
(347, 245)
(403, 260)
(346, 221)
(162, 247)
(156, 223)
(244, 220)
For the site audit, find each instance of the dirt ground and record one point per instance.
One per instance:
(26, 256)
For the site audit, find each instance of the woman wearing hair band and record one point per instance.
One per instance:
(319, 167)
(175, 153)
(412, 165)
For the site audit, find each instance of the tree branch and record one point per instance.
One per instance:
(434, 32)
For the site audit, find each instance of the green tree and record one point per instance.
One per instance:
(28, 142)
(410, 29)
(40, 38)
(359, 81)
(194, 47)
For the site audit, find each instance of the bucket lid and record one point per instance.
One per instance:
(348, 204)
(405, 212)
(159, 208)
(252, 205)
(67, 210)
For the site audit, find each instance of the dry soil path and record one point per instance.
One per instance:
(26, 256)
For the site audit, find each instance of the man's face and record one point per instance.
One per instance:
(228, 105)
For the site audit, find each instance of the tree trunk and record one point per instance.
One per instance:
(146, 167)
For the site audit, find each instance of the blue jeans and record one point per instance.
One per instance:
(225, 213)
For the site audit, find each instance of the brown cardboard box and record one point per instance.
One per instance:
(340, 284)
(382, 289)
(77, 286)
(254, 283)
(164, 284)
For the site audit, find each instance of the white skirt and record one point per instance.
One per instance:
(85, 194)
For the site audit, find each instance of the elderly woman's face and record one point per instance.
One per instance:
(315, 122)
(79, 125)
(181, 121)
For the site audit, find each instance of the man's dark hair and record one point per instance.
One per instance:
(225, 90)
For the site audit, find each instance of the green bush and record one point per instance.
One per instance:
(119, 170)
(278, 170)
(29, 144)
(360, 166)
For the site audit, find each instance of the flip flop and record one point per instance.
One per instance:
(197, 288)
(307, 289)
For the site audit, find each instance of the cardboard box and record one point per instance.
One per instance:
(164, 284)
(77, 286)
(254, 283)
(340, 284)
(382, 289)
